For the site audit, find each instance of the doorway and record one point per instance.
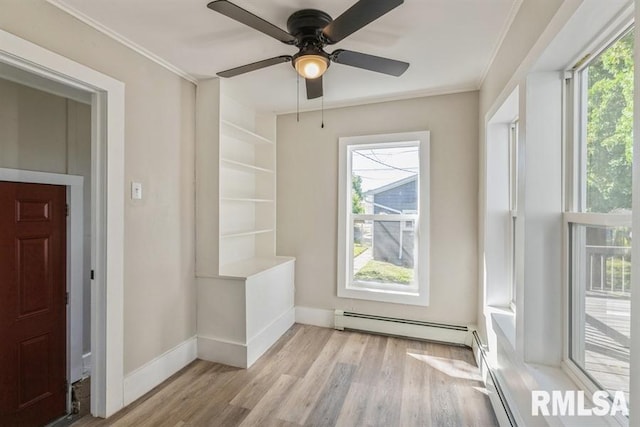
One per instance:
(66, 77)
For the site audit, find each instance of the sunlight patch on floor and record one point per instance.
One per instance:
(453, 368)
(482, 390)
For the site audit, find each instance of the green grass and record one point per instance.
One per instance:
(358, 249)
(384, 272)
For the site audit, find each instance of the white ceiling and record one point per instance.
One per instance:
(449, 43)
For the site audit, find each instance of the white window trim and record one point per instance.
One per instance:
(575, 197)
(514, 178)
(419, 296)
(499, 258)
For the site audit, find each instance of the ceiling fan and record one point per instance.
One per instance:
(310, 30)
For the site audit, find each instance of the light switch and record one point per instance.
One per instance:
(136, 190)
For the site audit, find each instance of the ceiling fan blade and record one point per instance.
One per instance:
(356, 17)
(369, 62)
(255, 66)
(314, 88)
(245, 17)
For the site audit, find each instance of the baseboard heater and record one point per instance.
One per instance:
(431, 331)
(492, 380)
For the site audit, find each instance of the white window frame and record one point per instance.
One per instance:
(514, 178)
(575, 204)
(418, 295)
(500, 253)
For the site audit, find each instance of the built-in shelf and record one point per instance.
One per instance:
(247, 233)
(243, 166)
(241, 134)
(242, 199)
(245, 292)
(253, 266)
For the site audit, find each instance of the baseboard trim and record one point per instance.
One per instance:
(264, 339)
(315, 317)
(222, 351)
(145, 378)
(498, 396)
(244, 355)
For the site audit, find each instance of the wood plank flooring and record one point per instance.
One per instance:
(321, 377)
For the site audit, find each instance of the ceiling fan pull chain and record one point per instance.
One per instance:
(322, 113)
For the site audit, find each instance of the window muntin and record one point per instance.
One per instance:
(383, 199)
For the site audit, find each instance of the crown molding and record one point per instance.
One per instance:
(515, 7)
(62, 5)
(449, 90)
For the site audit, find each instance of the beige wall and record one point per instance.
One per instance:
(47, 133)
(33, 129)
(307, 173)
(159, 289)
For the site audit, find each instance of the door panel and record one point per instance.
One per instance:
(33, 265)
(32, 303)
(34, 375)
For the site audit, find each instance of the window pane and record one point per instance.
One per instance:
(600, 294)
(383, 252)
(384, 182)
(609, 123)
(513, 202)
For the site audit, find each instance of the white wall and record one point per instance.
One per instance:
(159, 289)
(508, 67)
(307, 189)
(44, 132)
(528, 346)
(530, 21)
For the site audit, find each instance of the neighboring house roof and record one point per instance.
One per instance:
(391, 185)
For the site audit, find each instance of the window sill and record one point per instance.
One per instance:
(410, 298)
(504, 324)
(530, 376)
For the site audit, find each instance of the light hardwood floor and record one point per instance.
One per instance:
(322, 377)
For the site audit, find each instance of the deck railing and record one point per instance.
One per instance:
(609, 268)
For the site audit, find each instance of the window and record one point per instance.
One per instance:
(599, 217)
(383, 219)
(500, 243)
(513, 203)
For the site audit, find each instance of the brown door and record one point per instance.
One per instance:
(32, 303)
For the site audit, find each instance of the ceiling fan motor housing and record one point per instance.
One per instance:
(306, 26)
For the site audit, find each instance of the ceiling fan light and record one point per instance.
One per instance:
(311, 66)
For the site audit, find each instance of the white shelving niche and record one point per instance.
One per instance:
(245, 292)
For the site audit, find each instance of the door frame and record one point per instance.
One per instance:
(75, 259)
(107, 208)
